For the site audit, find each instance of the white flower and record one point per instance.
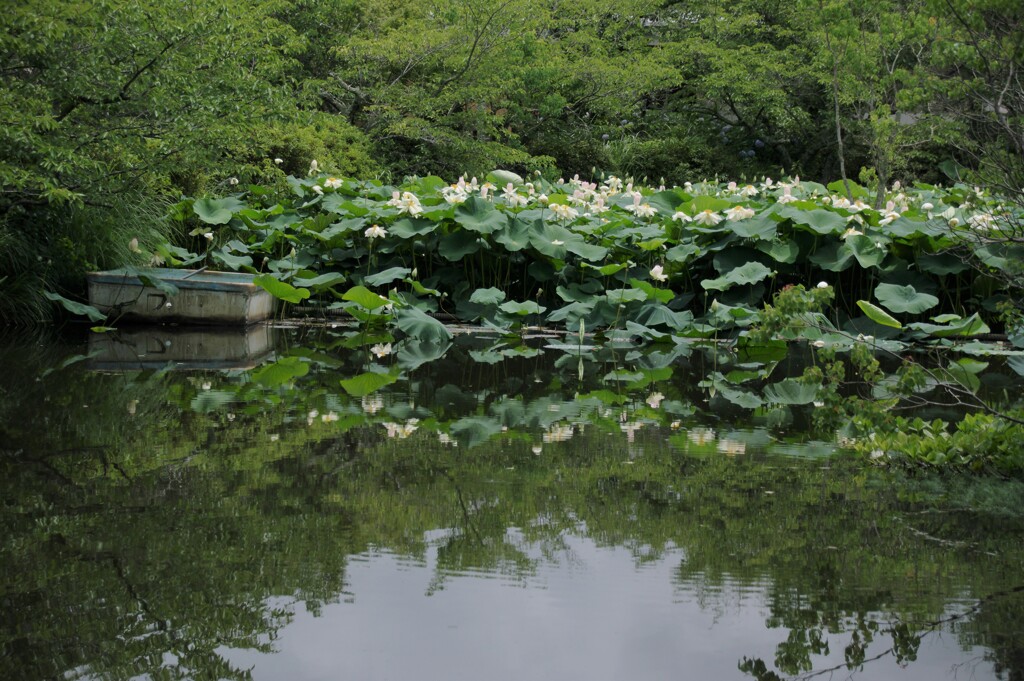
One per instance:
(278, 161)
(455, 194)
(375, 232)
(332, 183)
(564, 212)
(822, 284)
(927, 206)
(818, 343)
(701, 436)
(658, 273)
(537, 449)
(133, 245)
(232, 181)
(329, 417)
(381, 349)
(406, 203)
(313, 167)
(274, 437)
(748, 191)
(731, 447)
(731, 187)
(318, 190)
(371, 404)
(208, 236)
(645, 210)
(954, 223)
(556, 242)
(850, 232)
(708, 218)
(982, 222)
(737, 213)
(786, 196)
(654, 400)
(680, 216)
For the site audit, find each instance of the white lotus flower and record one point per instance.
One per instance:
(332, 182)
(645, 210)
(737, 213)
(375, 232)
(658, 273)
(680, 216)
(708, 218)
(564, 212)
(381, 349)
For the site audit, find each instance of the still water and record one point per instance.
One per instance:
(312, 504)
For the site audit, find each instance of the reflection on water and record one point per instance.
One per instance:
(364, 508)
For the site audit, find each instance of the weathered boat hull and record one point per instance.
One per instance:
(202, 297)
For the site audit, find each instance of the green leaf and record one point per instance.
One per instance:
(682, 252)
(479, 215)
(76, 308)
(624, 295)
(487, 296)
(750, 273)
(367, 383)
(230, 260)
(516, 237)
(500, 178)
(791, 391)
(365, 298)
(217, 211)
(320, 282)
(280, 289)
(878, 315)
(387, 276)
(457, 245)
(407, 228)
(904, 298)
(964, 327)
(417, 324)
(819, 220)
(522, 309)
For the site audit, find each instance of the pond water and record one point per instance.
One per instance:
(312, 504)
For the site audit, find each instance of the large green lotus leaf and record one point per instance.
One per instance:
(781, 250)
(941, 264)
(479, 215)
(607, 270)
(682, 253)
(407, 228)
(551, 239)
(662, 295)
(905, 227)
(280, 289)
(839, 187)
(487, 296)
(75, 307)
(738, 396)
(1003, 256)
(703, 203)
(729, 259)
(365, 298)
(457, 245)
(668, 201)
(522, 309)
(319, 282)
(791, 391)
(418, 324)
(367, 383)
(387, 276)
(904, 298)
(217, 211)
(835, 256)
(660, 315)
(591, 252)
(281, 372)
(760, 226)
(517, 236)
(867, 252)
(341, 228)
(819, 220)
(500, 178)
(962, 327)
(624, 295)
(571, 314)
(751, 273)
(878, 315)
(230, 260)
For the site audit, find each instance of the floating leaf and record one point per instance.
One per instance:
(420, 325)
(280, 372)
(521, 309)
(964, 327)
(487, 296)
(791, 391)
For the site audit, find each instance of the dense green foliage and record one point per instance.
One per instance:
(111, 108)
